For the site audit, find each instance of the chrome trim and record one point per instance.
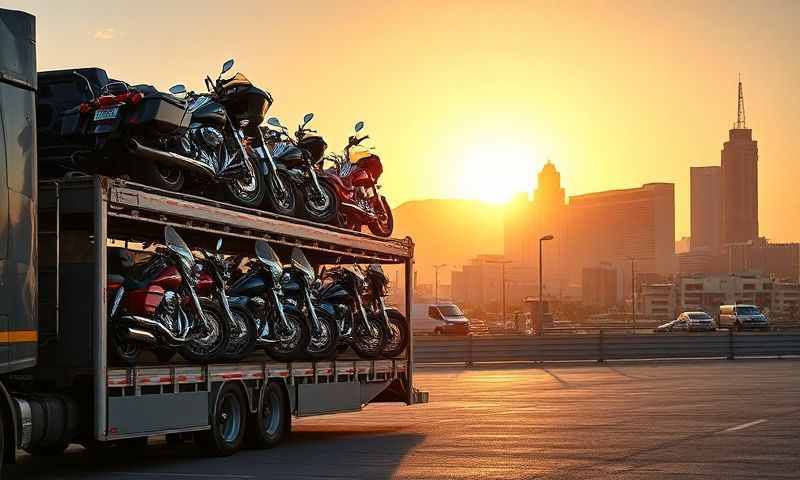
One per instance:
(25, 422)
(171, 158)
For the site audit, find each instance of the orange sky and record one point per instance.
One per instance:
(460, 93)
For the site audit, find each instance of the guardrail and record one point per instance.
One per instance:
(599, 347)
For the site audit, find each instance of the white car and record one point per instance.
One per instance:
(689, 322)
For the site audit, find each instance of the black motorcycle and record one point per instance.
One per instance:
(298, 155)
(299, 281)
(241, 325)
(281, 327)
(155, 305)
(340, 297)
(396, 324)
(197, 139)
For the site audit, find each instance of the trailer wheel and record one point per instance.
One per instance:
(270, 425)
(227, 422)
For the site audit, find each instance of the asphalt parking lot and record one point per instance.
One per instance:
(647, 420)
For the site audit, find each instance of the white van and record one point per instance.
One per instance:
(438, 319)
(742, 317)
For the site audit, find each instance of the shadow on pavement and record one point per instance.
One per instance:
(364, 452)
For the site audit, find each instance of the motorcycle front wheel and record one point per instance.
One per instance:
(123, 352)
(384, 224)
(397, 336)
(323, 345)
(369, 345)
(206, 341)
(322, 206)
(242, 338)
(293, 343)
(250, 190)
(282, 201)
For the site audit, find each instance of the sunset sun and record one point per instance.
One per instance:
(495, 169)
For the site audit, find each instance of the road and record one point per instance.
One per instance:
(649, 420)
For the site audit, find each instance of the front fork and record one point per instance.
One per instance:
(281, 316)
(266, 156)
(226, 306)
(312, 313)
(314, 178)
(368, 325)
(117, 300)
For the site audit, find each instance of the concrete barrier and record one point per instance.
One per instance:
(602, 346)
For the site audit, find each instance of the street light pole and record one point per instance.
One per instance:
(540, 330)
(436, 282)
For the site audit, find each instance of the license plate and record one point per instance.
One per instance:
(106, 114)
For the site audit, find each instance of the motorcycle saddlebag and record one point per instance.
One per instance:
(160, 110)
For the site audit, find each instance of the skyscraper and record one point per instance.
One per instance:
(706, 199)
(740, 182)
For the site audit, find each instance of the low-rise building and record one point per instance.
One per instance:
(707, 292)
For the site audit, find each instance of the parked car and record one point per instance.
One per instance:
(689, 322)
(439, 319)
(743, 317)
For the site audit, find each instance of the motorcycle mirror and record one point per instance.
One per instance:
(219, 244)
(307, 118)
(359, 126)
(274, 122)
(226, 66)
(177, 89)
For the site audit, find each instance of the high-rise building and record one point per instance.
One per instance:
(706, 209)
(599, 286)
(618, 226)
(526, 222)
(740, 182)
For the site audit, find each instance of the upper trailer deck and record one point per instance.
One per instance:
(139, 213)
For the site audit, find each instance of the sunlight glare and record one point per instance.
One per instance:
(495, 169)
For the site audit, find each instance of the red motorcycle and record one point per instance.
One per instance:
(355, 179)
(155, 305)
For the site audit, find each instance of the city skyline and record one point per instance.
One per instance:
(541, 80)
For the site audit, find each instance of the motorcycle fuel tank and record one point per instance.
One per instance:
(207, 111)
(168, 279)
(250, 285)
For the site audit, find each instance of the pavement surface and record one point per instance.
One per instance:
(648, 420)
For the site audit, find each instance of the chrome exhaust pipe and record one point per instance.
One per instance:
(153, 325)
(170, 158)
(143, 336)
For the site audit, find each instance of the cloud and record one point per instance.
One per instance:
(105, 34)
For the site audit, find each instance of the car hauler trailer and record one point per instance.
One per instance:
(56, 385)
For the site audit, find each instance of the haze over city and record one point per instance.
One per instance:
(617, 94)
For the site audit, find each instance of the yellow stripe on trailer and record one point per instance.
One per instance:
(18, 336)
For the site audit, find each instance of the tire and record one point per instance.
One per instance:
(271, 424)
(365, 345)
(293, 348)
(397, 337)
(122, 353)
(228, 419)
(158, 175)
(205, 346)
(242, 336)
(384, 226)
(323, 210)
(324, 346)
(248, 193)
(285, 204)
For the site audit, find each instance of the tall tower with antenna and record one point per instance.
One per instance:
(740, 181)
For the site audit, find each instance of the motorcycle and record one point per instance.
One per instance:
(241, 325)
(298, 156)
(340, 297)
(155, 305)
(396, 324)
(354, 179)
(281, 329)
(298, 283)
(198, 138)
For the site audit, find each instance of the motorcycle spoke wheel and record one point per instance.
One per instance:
(249, 190)
(323, 206)
(384, 224)
(206, 341)
(397, 336)
(281, 200)
(369, 344)
(242, 338)
(322, 346)
(292, 344)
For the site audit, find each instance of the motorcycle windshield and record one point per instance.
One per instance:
(237, 80)
(377, 269)
(267, 256)
(175, 243)
(300, 262)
